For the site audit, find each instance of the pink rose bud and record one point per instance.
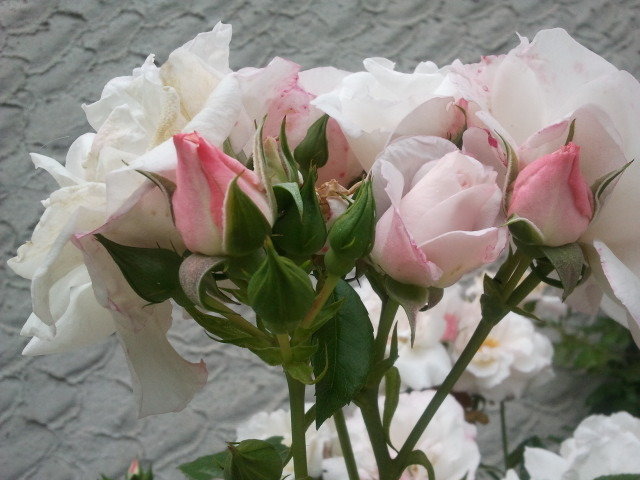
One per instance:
(206, 180)
(134, 468)
(553, 195)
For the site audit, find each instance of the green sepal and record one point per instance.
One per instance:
(345, 350)
(228, 150)
(392, 384)
(245, 225)
(253, 460)
(280, 293)
(151, 272)
(301, 371)
(275, 165)
(166, 186)
(572, 132)
(568, 261)
(240, 269)
(304, 235)
(600, 188)
(492, 302)
(286, 152)
(511, 174)
(273, 355)
(288, 195)
(196, 277)
(351, 236)
(313, 150)
(412, 298)
(525, 231)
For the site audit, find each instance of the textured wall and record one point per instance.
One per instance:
(71, 416)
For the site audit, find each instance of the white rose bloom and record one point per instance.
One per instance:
(601, 445)
(278, 424)
(427, 363)
(79, 296)
(374, 106)
(513, 357)
(449, 441)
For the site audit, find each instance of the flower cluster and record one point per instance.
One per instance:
(249, 199)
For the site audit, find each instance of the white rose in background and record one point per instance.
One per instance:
(601, 446)
(513, 357)
(380, 104)
(438, 210)
(530, 96)
(449, 441)
(278, 424)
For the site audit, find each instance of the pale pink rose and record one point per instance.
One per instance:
(281, 89)
(438, 212)
(552, 194)
(530, 97)
(203, 177)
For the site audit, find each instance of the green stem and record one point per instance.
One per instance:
(520, 267)
(370, 410)
(298, 441)
(475, 342)
(325, 292)
(503, 432)
(285, 347)
(387, 317)
(345, 445)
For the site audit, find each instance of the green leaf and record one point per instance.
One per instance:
(313, 149)
(568, 261)
(280, 292)
(392, 385)
(151, 272)
(208, 467)
(246, 226)
(345, 348)
(253, 460)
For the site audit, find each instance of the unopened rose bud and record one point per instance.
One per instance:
(552, 194)
(220, 205)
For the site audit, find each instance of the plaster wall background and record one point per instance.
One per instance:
(72, 416)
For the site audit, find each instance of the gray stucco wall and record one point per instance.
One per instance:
(71, 416)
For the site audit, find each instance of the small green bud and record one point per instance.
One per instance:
(245, 225)
(253, 460)
(280, 293)
(313, 150)
(302, 235)
(351, 236)
(277, 168)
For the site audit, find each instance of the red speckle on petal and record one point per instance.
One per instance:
(492, 141)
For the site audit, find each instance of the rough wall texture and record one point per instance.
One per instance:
(71, 416)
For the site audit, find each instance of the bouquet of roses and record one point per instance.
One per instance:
(258, 201)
